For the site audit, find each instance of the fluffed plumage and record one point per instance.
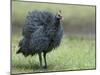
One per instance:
(41, 33)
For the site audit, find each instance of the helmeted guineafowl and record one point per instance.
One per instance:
(42, 33)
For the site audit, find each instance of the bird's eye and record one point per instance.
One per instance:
(59, 17)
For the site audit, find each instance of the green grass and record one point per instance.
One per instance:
(74, 53)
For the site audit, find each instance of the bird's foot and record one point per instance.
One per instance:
(45, 67)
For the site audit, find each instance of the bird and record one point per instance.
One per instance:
(42, 33)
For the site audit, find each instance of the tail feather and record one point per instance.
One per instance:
(19, 51)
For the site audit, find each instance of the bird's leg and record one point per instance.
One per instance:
(40, 59)
(44, 55)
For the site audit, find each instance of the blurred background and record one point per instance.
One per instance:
(77, 49)
(79, 20)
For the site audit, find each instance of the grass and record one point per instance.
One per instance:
(74, 53)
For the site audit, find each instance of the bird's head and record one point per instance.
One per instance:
(59, 15)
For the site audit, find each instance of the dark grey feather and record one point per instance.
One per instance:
(41, 33)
